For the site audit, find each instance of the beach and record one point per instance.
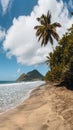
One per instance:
(48, 108)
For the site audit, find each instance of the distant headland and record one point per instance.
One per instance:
(30, 76)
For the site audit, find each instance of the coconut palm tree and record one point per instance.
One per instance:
(46, 31)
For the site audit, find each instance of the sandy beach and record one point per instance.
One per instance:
(48, 108)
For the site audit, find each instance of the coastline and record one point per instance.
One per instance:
(47, 108)
(22, 102)
(27, 88)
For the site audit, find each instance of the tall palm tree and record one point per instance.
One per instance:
(46, 31)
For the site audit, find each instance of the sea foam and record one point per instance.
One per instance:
(13, 94)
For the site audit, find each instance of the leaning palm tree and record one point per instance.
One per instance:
(46, 31)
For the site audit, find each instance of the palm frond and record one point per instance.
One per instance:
(40, 27)
(49, 17)
(42, 42)
(36, 27)
(46, 38)
(48, 59)
(40, 36)
(55, 35)
(38, 32)
(51, 40)
(54, 25)
(38, 19)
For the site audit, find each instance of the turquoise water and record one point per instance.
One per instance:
(13, 94)
(7, 82)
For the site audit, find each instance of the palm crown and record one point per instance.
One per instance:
(46, 31)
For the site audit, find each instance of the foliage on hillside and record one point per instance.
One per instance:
(33, 75)
(61, 60)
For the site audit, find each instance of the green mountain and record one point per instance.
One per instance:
(31, 76)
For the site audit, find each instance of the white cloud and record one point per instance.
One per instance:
(5, 4)
(21, 41)
(2, 33)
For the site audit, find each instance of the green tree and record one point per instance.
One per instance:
(46, 31)
(61, 61)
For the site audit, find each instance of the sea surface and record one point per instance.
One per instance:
(13, 94)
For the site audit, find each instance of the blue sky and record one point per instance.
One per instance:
(20, 51)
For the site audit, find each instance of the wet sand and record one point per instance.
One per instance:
(48, 108)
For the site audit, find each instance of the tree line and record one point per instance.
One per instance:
(60, 60)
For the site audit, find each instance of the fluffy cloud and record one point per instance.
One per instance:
(21, 41)
(2, 33)
(5, 4)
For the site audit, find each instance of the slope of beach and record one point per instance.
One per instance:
(48, 108)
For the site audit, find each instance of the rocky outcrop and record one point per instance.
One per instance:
(31, 76)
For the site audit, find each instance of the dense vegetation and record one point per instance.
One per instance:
(61, 61)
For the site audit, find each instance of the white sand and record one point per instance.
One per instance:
(48, 108)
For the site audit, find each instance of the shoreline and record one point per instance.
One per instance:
(27, 97)
(13, 108)
(23, 99)
(47, 108)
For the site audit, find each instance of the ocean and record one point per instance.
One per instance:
(13, 94)
(7, 82)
